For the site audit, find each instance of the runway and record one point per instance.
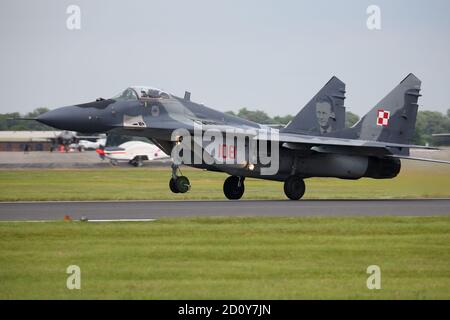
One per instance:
(113, 210)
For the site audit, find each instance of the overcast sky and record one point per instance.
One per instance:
(270, 55)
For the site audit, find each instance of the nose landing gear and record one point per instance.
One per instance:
(178, 184)
(233, 187)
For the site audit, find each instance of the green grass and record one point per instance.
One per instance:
(224, 258)
(415, 180)
(228, 258)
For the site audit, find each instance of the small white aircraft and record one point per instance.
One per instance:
(135, 152)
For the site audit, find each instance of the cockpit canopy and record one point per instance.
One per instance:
(141, 93)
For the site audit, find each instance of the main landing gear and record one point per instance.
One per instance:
(233, 187)
(294, 187)
(178, 184)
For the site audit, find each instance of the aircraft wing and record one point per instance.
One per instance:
(311, 143)
(420, 159)
(329, 141)
(292, 139)
(330, 144)
(351, 146)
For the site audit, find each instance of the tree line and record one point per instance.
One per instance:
(428, 122)
(7, 122)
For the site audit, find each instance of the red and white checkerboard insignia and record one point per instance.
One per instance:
(383, 117)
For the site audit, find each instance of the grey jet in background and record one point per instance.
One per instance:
(314, 144)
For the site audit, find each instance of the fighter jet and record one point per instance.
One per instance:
(199, 136)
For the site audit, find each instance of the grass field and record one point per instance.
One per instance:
(224, 258)
(235, 258)
(415, 180)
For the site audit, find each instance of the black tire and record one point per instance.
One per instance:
(232, 189)
(183, 185)
(294, 187)
(173, 186)
(137, 161)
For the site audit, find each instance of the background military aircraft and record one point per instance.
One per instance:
(68, 139)
(371, 148)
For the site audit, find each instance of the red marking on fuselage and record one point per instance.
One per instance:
(227, 151)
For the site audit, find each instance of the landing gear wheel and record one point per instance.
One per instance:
(294, 187)
(173, 186)
(182, 184)
(178, 183)
(137, 161)
(233, 187)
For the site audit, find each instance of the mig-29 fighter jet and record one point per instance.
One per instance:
(201, 137)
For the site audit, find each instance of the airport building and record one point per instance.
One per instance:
(31, 140)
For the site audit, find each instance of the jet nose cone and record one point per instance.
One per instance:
(87, 118)
(61, 118)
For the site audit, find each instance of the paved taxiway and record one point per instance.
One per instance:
(158, 209)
